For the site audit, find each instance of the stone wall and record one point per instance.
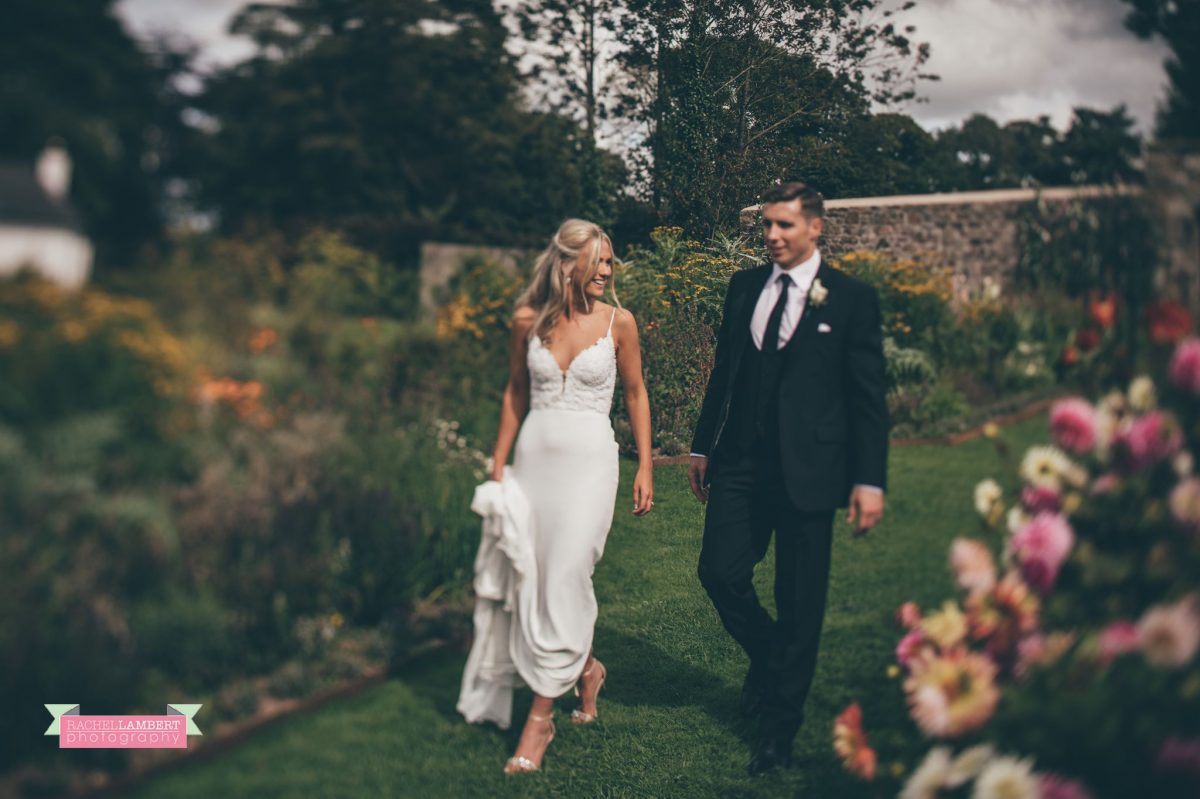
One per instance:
(975, 232)
(440, 263)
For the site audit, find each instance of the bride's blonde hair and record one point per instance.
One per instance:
(554, 278)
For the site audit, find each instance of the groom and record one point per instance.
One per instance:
(794, 425)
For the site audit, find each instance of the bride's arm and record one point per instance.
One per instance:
(516, 394)
(629, 363)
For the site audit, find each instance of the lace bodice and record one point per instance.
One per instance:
(586, 385)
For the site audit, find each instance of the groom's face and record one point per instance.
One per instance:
(789, 233)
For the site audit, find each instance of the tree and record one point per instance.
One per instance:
(1178, 23)
(394, 120)
(68, 70)
(1100, 147)
(566, 50)
(732, 93)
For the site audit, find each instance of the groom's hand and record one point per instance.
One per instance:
(866, 509)
(697, 468)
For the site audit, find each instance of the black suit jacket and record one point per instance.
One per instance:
(833, 419)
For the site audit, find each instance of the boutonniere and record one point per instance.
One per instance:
(818, 293)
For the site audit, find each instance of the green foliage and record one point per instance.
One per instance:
(1086, 247)
(1090, 252)
(1099, 147)
(79, 558)
(676, 290)
(1178, 23)
(914, 295)
(906, 365)
(69, 353)
(332, 277)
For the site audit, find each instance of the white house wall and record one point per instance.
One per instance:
(58, 255)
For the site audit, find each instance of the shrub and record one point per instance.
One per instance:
(68, 353)
(676, 290)
(914, 295)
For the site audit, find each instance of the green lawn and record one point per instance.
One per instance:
(668, 720)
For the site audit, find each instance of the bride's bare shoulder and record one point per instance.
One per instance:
(624, 324)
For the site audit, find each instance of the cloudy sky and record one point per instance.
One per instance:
(1010, 59)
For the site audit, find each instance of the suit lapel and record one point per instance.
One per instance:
(810, 313)
(743, 312)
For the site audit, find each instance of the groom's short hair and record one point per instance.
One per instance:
(811, 201)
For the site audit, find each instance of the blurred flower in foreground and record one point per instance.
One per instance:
(850, 743)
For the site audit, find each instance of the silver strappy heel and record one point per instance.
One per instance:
(521, 764)
(577, 715)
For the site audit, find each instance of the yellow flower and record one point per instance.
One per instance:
(10, 333)
(947, 627)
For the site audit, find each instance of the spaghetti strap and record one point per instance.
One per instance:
(610, 322)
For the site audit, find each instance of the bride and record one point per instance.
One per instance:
(547, 516)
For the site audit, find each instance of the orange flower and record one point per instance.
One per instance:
(242, 397)
(1103, 311)
(1168, 322)
(262, 339)
(850, 743)
(1069, 355)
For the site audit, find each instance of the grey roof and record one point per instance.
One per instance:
(23, 201)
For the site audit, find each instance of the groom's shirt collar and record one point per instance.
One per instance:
(802, 274)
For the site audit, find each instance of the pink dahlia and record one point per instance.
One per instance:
(908, 615)
(1041, 547)
(909, 647)
(1042, 649)
(1169, 635)
(1116, 639)
(1185, 366)
(1040, 572)
(973, 565)
(1054, 786)
(1149, 439)
(1179, 754)
(1107, 483)
(1185, 504)
(1073, 425)
(1037, 499)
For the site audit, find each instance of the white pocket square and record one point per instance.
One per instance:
(824, 328)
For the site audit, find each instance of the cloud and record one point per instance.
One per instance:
(1014, 59)
(204, 22)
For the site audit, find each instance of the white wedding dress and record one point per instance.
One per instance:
(544, 528)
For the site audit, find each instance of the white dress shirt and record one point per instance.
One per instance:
(802, 276)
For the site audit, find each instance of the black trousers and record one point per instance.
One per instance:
(746, 503)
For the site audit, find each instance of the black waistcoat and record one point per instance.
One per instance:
(754, 410)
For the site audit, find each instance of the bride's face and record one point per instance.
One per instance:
(595, 281)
